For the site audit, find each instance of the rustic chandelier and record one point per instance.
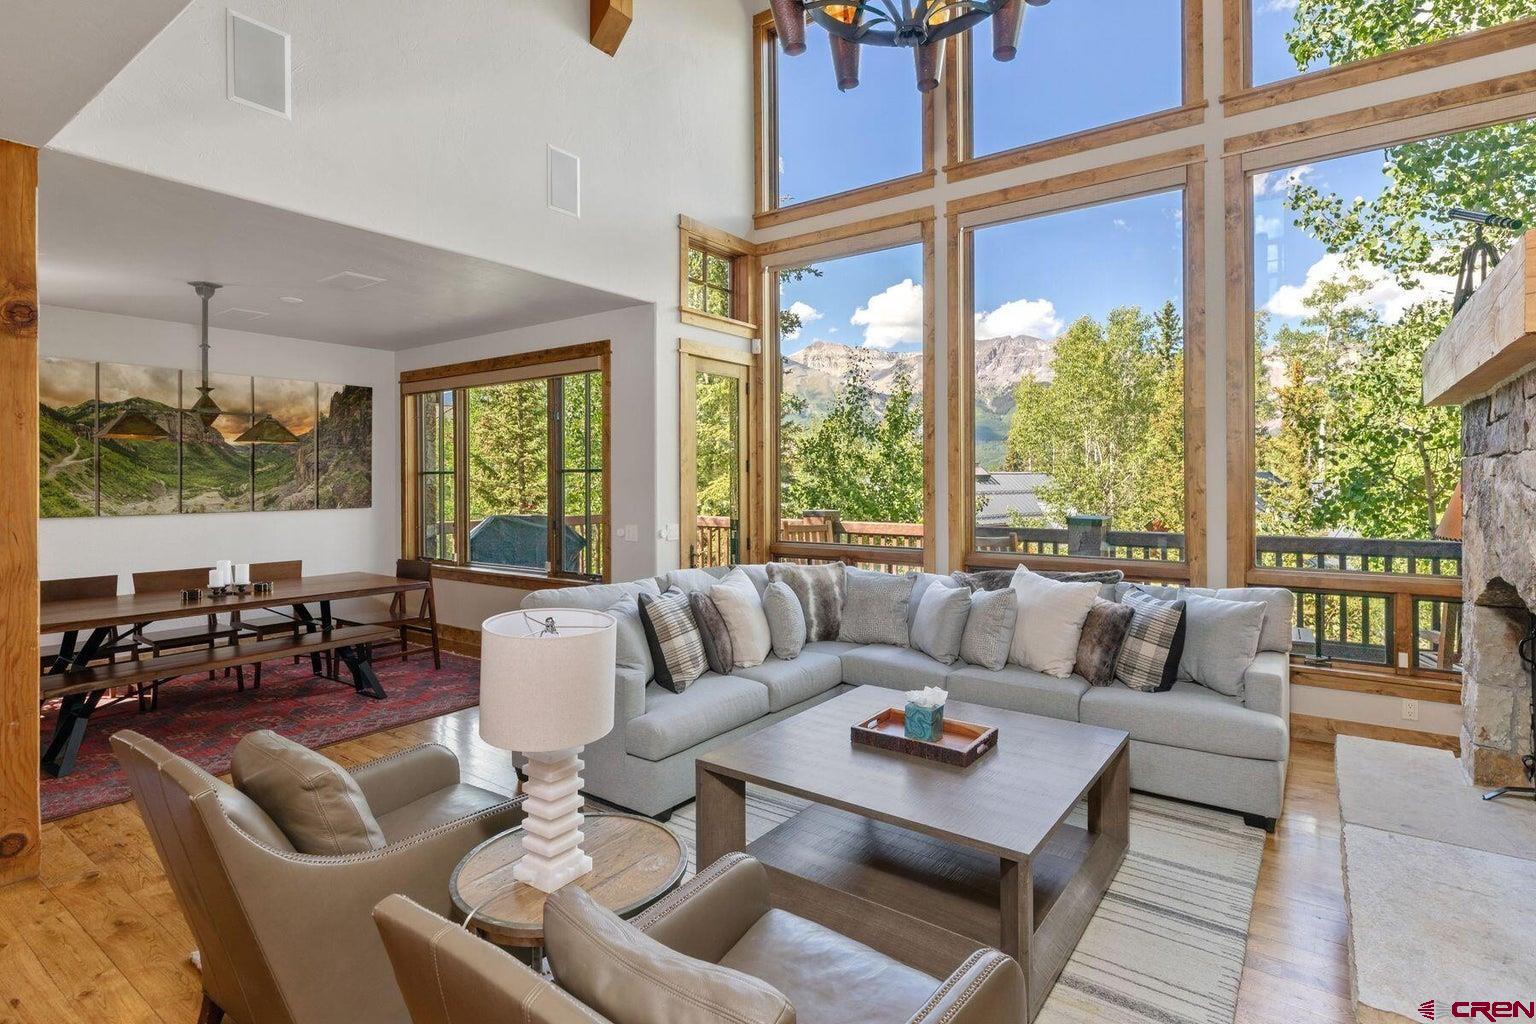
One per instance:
(921, 24)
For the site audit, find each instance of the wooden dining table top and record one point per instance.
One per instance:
(126, 609)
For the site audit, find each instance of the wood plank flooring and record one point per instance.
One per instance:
(98, 939)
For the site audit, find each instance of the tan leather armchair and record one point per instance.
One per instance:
(723, 917)
(284, 937)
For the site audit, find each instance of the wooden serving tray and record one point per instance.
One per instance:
(961, 744)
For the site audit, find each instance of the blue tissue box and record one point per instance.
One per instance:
(925, 724)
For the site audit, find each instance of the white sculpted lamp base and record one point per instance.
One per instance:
(552, 821)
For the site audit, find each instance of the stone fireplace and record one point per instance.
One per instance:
(1486, 363)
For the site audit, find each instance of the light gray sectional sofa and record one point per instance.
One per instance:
(1189, 743)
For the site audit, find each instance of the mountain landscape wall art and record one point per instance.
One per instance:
(310, 443)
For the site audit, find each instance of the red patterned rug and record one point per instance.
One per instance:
(203, 720)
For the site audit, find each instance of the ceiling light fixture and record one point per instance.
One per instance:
(922, 25)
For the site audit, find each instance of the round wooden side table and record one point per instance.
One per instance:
(635, 862)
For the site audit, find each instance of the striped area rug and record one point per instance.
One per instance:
(1167, 943)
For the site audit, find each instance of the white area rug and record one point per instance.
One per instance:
(1167, 943)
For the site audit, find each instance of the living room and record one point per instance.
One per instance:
(1025, 544)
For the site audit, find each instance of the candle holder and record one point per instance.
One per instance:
(243, 588)
(191, 596)
(222, 591)
(262, 588)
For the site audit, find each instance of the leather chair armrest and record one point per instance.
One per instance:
(707, 917)
(987, 988)
(390, 783)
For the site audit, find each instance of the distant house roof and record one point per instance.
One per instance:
(1008, 496)
(521, 541)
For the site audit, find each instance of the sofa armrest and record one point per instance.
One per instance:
(709, 915)
(1267, 684)
(988, 987)
(390, 783)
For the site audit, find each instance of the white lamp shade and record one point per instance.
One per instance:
(542, 691)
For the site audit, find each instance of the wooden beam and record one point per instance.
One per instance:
(610, 22)
(1492, 339)
(19, 822)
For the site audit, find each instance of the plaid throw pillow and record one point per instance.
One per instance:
(674, 639)
(1149, 657)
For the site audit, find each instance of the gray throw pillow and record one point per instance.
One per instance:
(1002, 579)
(1221, 639)
(676, 645)
(875, 608)
(820, 590)
(1099, 646)
(1280, 607)
(1149, 657)
(632, 649)
(939, 624)
(786, 620)
(718, 652)
(988, 635)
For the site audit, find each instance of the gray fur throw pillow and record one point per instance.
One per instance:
(820, 590)
(1002, 579)
(1103, 632)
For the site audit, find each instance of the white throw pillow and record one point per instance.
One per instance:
(742, 609)
(1051, 617)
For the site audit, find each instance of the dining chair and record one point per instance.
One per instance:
(422, 623)
(159, 641)
(80, 588)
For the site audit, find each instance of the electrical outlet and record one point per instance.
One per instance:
(1410, 710)
(1402, 660)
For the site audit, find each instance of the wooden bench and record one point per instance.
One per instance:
(81, 690)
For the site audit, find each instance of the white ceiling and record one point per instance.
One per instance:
(116, 241)
(61, 53)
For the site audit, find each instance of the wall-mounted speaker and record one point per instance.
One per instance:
(564, 182)
(259, 65)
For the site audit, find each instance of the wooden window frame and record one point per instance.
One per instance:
(892, 231)
(485, 372)
(1452, 111)
(1181, 170)
(765, 158)
(696, 357)
(963, 164)
(742, 255)
(1240, 95)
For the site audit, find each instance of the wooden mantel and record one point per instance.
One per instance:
(1492, 339)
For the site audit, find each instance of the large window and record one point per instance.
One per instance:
(508, 465)
(1043, 93)
(1291, 37)
(851, 458)
(1354, 480)
(822, 141)
(1077, 382)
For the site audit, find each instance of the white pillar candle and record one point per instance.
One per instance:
(226, 571)
(213, 578)
(242, 574)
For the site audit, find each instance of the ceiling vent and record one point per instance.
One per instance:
(350, 281)
(259, 59)
(564, 182)
(238, 314)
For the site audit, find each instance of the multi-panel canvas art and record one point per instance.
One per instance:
(122, 440)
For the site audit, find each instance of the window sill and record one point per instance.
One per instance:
(723, 324)
(918, 182)
(503, 578)
(1382, 682)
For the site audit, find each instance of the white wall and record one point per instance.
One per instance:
(328, 540)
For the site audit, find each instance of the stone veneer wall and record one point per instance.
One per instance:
(1499, 580)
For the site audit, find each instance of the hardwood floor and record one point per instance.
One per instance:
(98, 939)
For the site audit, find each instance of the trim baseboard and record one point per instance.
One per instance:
(459, 640)
(1326, 730)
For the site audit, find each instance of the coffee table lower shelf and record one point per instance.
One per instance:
(931, 903)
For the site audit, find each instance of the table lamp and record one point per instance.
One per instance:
(546, 690)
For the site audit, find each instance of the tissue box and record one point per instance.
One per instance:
(925, 724)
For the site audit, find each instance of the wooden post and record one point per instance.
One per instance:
(19, 819)
(610, 21)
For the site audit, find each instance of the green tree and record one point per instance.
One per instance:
(1336, 32)
(717, 445)
(508, 449)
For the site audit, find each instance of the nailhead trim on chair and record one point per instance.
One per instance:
(653, 916)
(970, 990)
(397, 755)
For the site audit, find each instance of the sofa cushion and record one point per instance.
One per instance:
(939, 623)
(741, 606)
(691, 581)
(718, 652)
(988, 635)
(677, 648)
(1189, 716)
(1149, 656)
(820, 590)
(1280, 607)
(1103, 633)
(317, 804)
(836, 648)
(673, 722)
(875, 608)
(1013, 688)
(786, 620)
(595, 596)
(897, 668)
(1051, 617)
(632, 651)
(790, 682)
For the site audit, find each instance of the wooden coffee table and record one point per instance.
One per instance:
(635, 862)
(926, 862)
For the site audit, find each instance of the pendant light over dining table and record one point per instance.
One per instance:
(923, 25)
(205, 408)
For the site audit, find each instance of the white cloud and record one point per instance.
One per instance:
(1034, 317)
(1382, 292)
(1120, 223)
(1278, 6)
(1270, 227)
(1273, 183)
(892, 318)
(807, 313)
